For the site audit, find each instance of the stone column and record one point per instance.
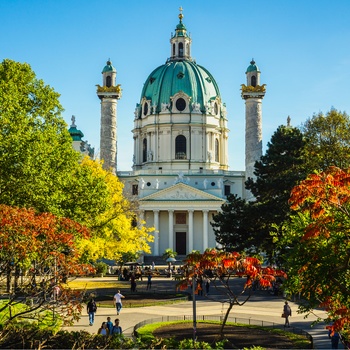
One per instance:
(190, 231)
(205, 229)
(171, 229)
(156, 232)
(108, 133)
(142, 216)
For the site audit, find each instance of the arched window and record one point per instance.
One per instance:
(145, 108)
(180, 147)
(181, 49)
(144, 150)
(108, 81)
(216, 150)
(253, 80)
(173, 49)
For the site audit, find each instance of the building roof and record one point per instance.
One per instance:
(253, 67)
(175, 76)
(108, 67)
(76, 134)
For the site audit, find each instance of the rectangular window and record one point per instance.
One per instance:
(181, 218)
(227, 190)
(135, 190)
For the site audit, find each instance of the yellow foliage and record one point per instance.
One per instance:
(113, 232)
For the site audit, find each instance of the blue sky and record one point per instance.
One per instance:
(301, 47)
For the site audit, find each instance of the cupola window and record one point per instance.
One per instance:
(216, 150)
(144, 150)
(180, 104)
(181, 49)
(108, 81)
(180, 147)
(173, 49)
(253, 80)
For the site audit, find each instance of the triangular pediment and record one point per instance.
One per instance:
(181, 192)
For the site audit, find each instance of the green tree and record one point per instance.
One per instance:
(278, 171)
(327, 141)
(169, 253)
(36, 155)
(248, 225)
(39, 168)
(232, 225)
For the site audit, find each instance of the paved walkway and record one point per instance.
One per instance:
(262, 307)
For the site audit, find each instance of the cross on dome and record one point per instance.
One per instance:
(181, 16)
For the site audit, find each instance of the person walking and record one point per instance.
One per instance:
(116, 328)
(334, 337)
(103, 330)
(109, 325)
(91, 308)
(133, 283)
(117, 300)
(287, 311)
(149, 281)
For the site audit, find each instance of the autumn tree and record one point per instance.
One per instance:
(318, 238)
(223, 269)
(36, 154)
(40, 251)
(115, 230)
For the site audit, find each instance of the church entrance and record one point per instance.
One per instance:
(180, 245)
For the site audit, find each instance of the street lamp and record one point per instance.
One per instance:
(194, 307)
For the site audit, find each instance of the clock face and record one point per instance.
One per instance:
(180, 104)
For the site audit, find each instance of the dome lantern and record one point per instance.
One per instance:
(180, 42)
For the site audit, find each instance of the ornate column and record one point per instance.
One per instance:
(171, 229)
(190, 231)
(205, 229)
(156, 232)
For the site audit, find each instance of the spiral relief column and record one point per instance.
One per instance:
(253, 94)
(109, 94)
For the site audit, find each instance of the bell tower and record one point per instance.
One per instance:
(109, 94)
(253, 94)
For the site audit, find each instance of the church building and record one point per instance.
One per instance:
(180, 175)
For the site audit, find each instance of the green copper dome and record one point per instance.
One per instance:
(185, 76)
(76, 134)
(253, 67)
(109, 67)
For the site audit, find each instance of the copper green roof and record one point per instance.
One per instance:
(108, 67)
(76, 134)
(253, 67)
(175, 76)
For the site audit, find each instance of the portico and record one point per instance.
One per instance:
(181, 224)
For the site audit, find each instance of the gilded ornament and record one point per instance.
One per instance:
(116, 89)
(250, 88)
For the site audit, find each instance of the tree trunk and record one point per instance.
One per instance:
(17, 273)
(8, 277)
(225, 320)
